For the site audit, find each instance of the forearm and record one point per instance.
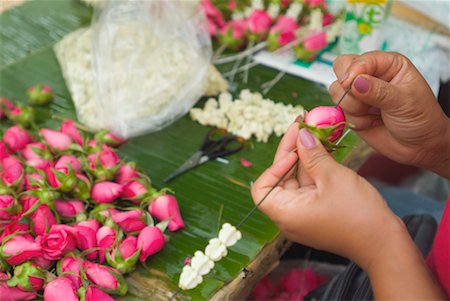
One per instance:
(439, 161)
(399, 272)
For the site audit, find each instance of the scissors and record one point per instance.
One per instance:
(217, 143)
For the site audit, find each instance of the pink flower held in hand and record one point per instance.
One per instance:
(130, 221)
(134, 191)
(105, 278)
(95, 294)
(16, 138)
(69, 209)
(60, 289)
(126, 173)
(42, 220)
(68, 160)
(58, 242)
(106, 236)
(71, 266)
(327, 116)
(164, 207)
(86, 237)
(13, 172)
(56, 140)
(106, 192)
(259, 22)
(150, 240)
(20, 248)
(69, 128)
(6, 207)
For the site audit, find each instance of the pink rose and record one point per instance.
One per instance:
(317, 3)
(30, 152)
(165, 207)
(128, 247)
(106, 192)
(315, 42)
(40, 95)
(6, 207)
(126, 173)
(95, 294)
(22, 115)
(213, 13)
(108, 158)
(124, 258)
(327, 116)
(5, 105)
(27, 201)
(68, 160)
(20, 248)
(62, 288)
(134, 191)
(106, 236)
(259, 22)
(82, 189)
(86, 237)
(109, 139)
(327, 19)
(130, 221)
(56, 140)
(150, 240)
(12, 173)
(15, 293)
(233, 33)
(28, 277)
(33, 181)
(13, 227)
(282, 33)
(71, 267)
(69, 209)
(4, 152)
(212, 28)
(16, 138)
(42, 220)
(42, 262)
(59, 241)
(69, 128)
(105, 278)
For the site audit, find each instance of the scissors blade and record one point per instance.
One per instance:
(195, 160)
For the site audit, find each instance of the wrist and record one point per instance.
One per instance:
(439, 161)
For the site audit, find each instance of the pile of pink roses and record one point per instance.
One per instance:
(240, 23)
(74, 218)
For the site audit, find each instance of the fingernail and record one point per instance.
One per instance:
(374, 111)
(299, 118)
(307, 139)
(344, 77)
(361, 84)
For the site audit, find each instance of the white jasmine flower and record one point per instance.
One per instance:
(216, 250)
(201, 263)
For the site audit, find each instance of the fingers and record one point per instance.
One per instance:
(272, 176)
(316, 161)
(350, 104)
(341, 64)
(288, 143)
(376, 92)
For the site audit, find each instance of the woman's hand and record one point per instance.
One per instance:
(394, 109)
(324, 204)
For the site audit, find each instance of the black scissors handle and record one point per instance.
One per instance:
(218, 143)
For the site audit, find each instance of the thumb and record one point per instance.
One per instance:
(316, 161)
(376, 92)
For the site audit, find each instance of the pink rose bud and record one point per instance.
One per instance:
(134, 191)
(21, 115)
(42, 262)
(60, 289)
(40, 95)
(69, 128)
(106, 236)
(6, 207)
(4, 152)
(68, 160)
(69, 209)
(165, 207)
(20, 248)
(36, 155)
(282, 33)
(64, 179)
(56, 140)
(51, 177)
(34, 181)
(27, 201)
(130, 221)
(86, 237)
(105, 137)
(59, 241)
(95, 294)
(126, 173)
(212, 28)
(317, 3)
(15, 293)
(233, 34)
(82, 189)
(213, 13)
(42, 220)
(108, 158)
(258, 23)
(28, 277)
(327, 116)
(106, 192)
(5, 105)
(316, 42)
(105, 278)
(70, 266)
(327, 19)
(16, 138)
(232, 5)
(150, 240)
(13, 227)
(125, 257)
(12, 173)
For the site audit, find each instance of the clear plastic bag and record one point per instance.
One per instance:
(150, 63)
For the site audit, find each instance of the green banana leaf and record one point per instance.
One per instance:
(208, 195)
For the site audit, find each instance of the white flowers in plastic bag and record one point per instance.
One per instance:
(150, 62)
